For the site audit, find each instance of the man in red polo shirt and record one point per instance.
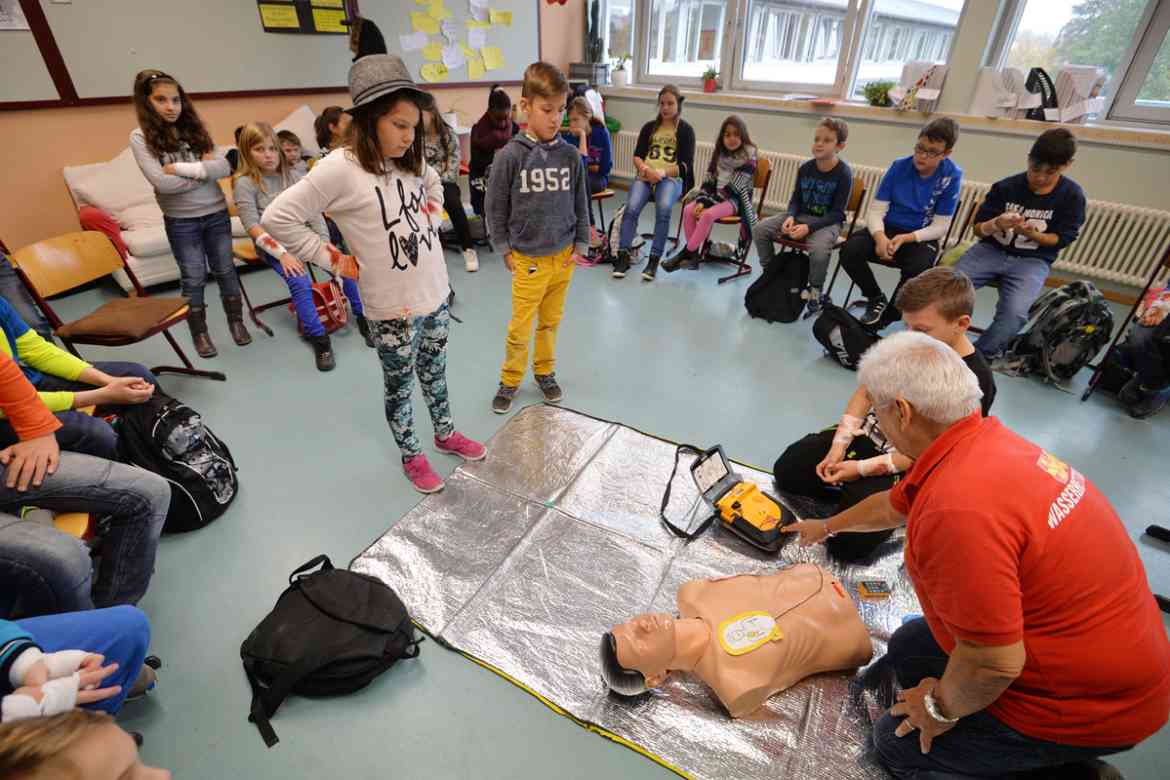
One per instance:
(1041, 644)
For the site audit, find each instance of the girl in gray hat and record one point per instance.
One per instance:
(387, 202)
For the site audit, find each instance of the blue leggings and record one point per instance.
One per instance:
(300, 289)
(121, 634)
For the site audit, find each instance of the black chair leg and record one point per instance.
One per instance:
(188, 368)
(252, 312)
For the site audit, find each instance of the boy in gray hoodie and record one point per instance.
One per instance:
(538, 213)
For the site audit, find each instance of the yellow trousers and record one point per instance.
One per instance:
(539, 287)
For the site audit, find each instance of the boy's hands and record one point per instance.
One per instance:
(574, 258)
(509, 264)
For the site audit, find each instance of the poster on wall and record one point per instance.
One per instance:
(11, 16)
(302, 17)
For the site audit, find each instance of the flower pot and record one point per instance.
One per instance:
(620, 78)
(710, 85)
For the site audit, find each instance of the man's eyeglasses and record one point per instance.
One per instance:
(928, 153)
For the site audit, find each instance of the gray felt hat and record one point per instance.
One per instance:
(377, 75)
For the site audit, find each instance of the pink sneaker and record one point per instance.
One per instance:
(458, 444)
(421, 475)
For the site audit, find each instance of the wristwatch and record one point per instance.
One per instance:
(932, 709)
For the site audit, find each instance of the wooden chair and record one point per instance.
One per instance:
(856, 198)
(599, 198)
(59, 265)
(743, 247)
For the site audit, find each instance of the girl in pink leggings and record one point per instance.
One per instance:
(726, 191)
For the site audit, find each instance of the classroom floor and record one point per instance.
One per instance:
(319, 473)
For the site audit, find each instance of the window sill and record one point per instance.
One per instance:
(1107, 135)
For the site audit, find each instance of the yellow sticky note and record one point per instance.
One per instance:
(439, 12)
(329, 3)
(501, 17)
(475, 23)
(475, 68)
(433, 52)
(422, 22)
(279, 16)
(493, 57)
(423, 2)
(326, 20)
(468, 51)
(434, 71)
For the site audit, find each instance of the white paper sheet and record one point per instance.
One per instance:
(476, 38)
(413, 41)
(453, 57)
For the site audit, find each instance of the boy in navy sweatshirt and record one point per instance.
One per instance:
(1023, 222)
(815, 211)
(538, 214)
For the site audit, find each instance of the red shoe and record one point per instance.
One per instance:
(421, 475)
(458, 444)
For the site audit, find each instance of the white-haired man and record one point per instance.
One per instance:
(1041, 645)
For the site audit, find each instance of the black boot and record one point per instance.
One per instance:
(364, 329)
(676, 262)
(197, 322)
(621, 264)
(323, 349)
(651, 269)
(233, 307)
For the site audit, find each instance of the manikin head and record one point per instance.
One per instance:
(919, 387)
(635, 656)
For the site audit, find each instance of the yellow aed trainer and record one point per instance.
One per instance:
(741, 507)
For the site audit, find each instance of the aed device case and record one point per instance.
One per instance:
(741, 506)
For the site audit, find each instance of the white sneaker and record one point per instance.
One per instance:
(472, 259)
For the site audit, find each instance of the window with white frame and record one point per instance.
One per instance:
(794, 41)
(618, 28)
(901, 31)
(685, 37)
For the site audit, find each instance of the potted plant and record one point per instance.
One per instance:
(710, 79)
(878, 93)
(619, 76)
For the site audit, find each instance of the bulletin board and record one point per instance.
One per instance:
(303, 17)
(460, 41)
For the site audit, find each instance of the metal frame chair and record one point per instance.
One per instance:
(64, 263)
(743, 247)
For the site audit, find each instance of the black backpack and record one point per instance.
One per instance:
(775, 296)
(168, 437)
(842, 335)
(1066, 329)
(331, 632)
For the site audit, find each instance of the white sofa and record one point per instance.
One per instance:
(118, 188)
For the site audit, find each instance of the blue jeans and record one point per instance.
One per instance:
(199, 244)
(1146, 351)
(121, 634)
(81, 432)
(18, 297)
(666, 193)
(300, 289)
(1020, 281)
(979, 745)
(43, 570)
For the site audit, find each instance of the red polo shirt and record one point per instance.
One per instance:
(1004, 542)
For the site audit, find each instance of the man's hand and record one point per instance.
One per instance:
(511, 266)
(811, 531)
(126, 390)
(911, 705)
(845, 471)
(29, 461)
(799, 232)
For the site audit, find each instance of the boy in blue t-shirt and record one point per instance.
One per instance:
(911, 211)
(1023, 222)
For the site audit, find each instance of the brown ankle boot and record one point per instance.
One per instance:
(197, 321)
(233, 307)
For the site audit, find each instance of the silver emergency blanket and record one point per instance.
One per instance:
(527, 557)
